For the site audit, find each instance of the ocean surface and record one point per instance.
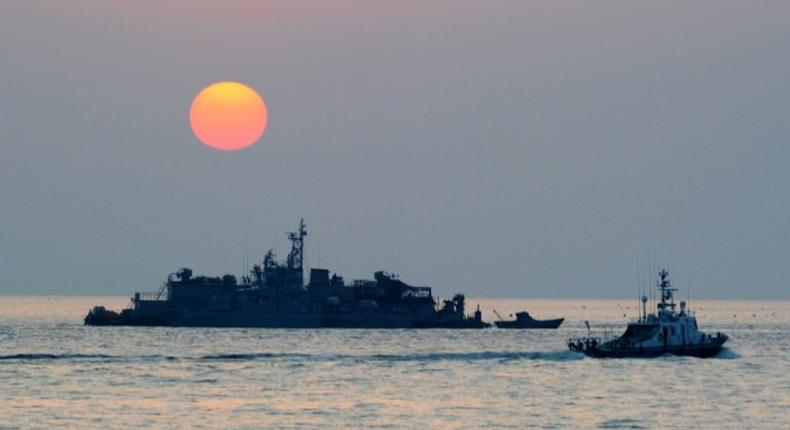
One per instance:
(57, 373)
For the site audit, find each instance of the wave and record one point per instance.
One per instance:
(620, 423)
(418, 357)
(483, 355)
(254, 356)
(414, 357)
(102, 357)
(727, 354)
(53, 356)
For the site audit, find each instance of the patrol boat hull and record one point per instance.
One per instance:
(699, 351)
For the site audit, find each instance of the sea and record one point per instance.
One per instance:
(57, 373)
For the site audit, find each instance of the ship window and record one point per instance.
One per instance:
(640, 332)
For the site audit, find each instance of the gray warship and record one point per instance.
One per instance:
(274, 295)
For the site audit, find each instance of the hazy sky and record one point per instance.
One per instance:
(498, 148)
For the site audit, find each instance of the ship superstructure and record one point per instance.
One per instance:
(274, 294)
(667, 331)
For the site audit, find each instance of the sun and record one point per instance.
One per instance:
(228, 116)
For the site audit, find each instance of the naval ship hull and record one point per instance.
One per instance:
(238, 320)
(192, 318)
(286, 322)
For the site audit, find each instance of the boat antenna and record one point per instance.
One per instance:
(638, 287)
(650, 275)
(643, 297)
(246, 267)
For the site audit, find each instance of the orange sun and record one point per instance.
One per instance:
(228, 116)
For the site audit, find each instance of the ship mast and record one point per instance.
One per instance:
(296, 256)
(666, 291)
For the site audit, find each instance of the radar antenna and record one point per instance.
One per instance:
(296, 256)
(666, 290)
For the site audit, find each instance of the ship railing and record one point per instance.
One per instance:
(150, 296)
(581, 344)
(709, 338)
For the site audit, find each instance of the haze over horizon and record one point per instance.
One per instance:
(499, 149)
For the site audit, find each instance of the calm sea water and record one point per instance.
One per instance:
(56, 373)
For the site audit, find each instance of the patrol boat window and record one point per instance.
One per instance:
(640, 332)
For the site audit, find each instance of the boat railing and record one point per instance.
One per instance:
(581, 344)
(150, 297)
(163, 294)
(718, 337)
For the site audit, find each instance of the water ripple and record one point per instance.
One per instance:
(418, 357)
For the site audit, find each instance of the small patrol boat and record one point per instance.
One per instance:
(665, 332)
(525, 321)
